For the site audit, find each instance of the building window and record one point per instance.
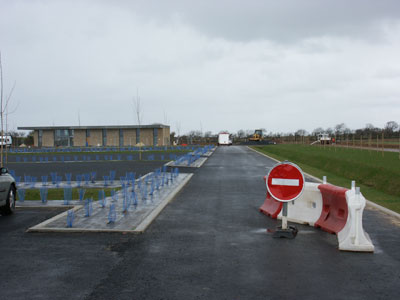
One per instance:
(104, 137)
(71, 138)
(61, 137)
(137, 135)
(121, 137)
(87, 133)
(40, 135)
(155, 136)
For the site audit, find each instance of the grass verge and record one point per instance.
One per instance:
(378, 175)
(58, 194)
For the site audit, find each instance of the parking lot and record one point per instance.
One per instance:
(77, 168)
(210, 242)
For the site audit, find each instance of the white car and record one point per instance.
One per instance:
(8, 189)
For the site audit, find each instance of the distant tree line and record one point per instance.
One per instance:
(21, 138)
(391, 130)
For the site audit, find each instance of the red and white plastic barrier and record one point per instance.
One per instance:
(333, 209)
(271, 207)
(353, 237)
(307, 208)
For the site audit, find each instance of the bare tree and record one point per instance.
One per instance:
(339, 128)
(139, 115)
(301, 132)
(329, 131)
(241, 134)
(390, 128)
(318, 130)
(194, 135)
(347, 131)
(4, 104)
(7, 112)
(166, 121)
(369, 126)
(249, 132)
(178, 131)
(208, 134)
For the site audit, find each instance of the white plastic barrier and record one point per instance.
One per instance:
(307, 208)
(353, 237)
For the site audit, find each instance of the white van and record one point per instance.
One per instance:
(224, 139)
(6, 140)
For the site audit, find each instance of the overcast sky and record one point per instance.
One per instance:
(202, 65)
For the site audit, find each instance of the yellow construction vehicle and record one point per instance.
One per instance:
(257, 136)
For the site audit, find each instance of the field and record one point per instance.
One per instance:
(372, 143)
(377, 174)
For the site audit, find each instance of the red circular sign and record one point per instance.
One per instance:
(285, 182)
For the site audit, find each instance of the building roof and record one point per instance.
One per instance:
(93, 127)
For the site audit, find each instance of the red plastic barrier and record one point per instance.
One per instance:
(271, 207)
(334, 208)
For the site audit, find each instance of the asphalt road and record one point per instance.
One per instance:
(209, 243)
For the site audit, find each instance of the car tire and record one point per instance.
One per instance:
(9, 208)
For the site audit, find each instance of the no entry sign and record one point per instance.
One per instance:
(285, 182)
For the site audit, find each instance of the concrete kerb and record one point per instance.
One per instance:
(209, 153)
(40, 226)
(52, 205)
(369, 203)
(383, 209)
(202, 161)
(140, 228)
(197, 164)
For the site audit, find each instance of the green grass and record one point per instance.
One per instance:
(58, 194)
(377, 175)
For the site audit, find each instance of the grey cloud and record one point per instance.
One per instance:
(281, 65)
(281, 21)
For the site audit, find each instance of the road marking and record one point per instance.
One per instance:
(287, 182)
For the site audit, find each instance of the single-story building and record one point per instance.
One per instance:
(98, 136)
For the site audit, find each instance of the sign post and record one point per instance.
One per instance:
(285, 183)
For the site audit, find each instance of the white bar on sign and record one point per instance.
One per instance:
(282, 181)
